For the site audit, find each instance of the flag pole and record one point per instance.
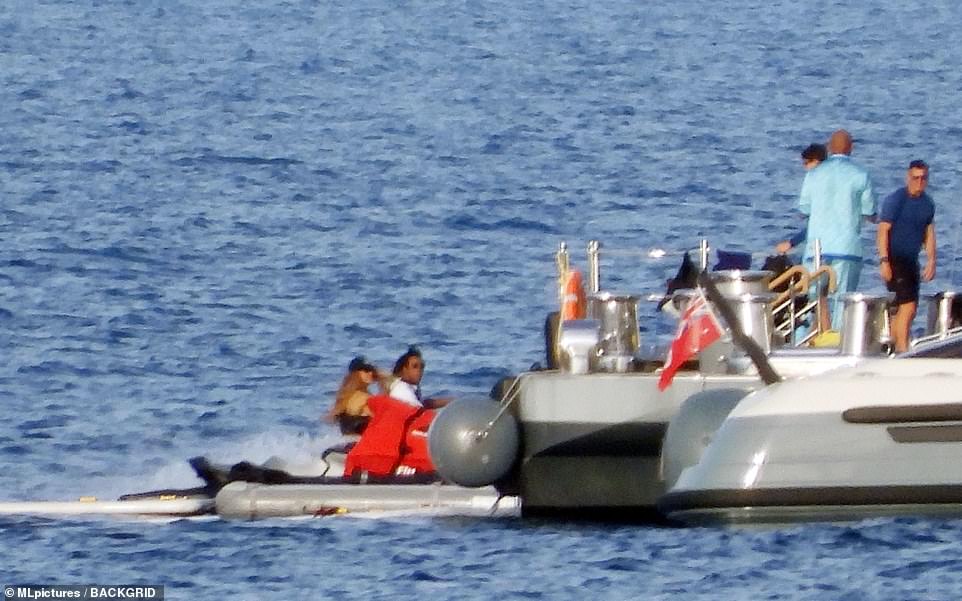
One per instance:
(755, 353)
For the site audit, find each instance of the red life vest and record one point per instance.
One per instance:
(395, 437)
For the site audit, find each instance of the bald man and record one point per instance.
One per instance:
(837, 197)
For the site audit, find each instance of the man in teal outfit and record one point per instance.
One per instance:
(837, 196)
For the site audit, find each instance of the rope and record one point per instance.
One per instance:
(510, 396)
(497, 503)
(657, 254)
(651, 253)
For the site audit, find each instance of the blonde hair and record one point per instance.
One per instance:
(350, 385)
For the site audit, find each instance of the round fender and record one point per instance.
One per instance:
(465, 450)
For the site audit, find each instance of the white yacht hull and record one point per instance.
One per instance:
(881, 438)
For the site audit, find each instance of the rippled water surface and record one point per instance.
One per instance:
(209, 207)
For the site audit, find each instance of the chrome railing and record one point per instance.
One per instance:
(800, 281)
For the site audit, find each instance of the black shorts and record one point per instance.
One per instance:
(905, 280)
(352, 424)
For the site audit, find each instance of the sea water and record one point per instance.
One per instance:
(208, 207)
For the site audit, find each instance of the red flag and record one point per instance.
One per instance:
(697, 329)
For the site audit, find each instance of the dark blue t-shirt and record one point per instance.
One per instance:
(909, 218)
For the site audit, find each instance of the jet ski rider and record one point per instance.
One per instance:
(350, 409)
(406, 387)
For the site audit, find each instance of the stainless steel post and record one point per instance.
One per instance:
(703, 251)
(594, 267)
(563, 264)
(821, 305)
(792, 341)
(561, 257)
(562, 261)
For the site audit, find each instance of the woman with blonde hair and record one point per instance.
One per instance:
(350, 409)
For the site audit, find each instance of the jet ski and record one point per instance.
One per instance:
(386, 469)
(246, 490)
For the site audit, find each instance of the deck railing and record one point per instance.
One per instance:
(790, 317)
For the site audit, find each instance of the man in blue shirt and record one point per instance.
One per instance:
(837, 196)
(906, 224)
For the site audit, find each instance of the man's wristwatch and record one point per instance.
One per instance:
(883, 260)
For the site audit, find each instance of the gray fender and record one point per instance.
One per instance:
(472, 443)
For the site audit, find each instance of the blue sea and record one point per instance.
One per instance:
(207, 207)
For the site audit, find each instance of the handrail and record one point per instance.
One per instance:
(786, 275)
(825, 269)
(801, 285)
(786, 326)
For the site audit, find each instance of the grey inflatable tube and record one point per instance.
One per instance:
(471, 445)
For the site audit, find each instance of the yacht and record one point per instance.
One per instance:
(585, 436)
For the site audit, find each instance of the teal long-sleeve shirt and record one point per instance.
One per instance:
(837, 196)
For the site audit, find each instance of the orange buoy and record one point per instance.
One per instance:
(573, 299)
